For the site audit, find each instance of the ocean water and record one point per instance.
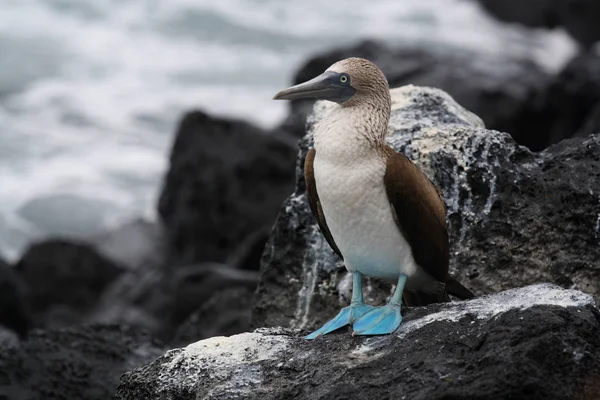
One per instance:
(91, 90)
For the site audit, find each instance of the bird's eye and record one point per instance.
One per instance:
(343, 79)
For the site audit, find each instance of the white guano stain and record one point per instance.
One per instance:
(487, 307)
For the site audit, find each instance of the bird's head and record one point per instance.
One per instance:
(345, 82)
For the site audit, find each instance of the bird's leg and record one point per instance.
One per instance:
(382, 320)
(347, 315)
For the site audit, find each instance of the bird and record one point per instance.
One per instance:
(376, 209)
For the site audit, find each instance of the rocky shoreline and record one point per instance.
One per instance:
(516, 152)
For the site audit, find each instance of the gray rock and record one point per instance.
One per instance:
(161, 300)
(514, 217)
(227, 179)
(74, 363)
(227, 312)
(592, 123)
(534, 13)
(537, 342)
(500, 87)
(569, 103)
(578, 17)
(66, 279)
(14, 301)
(192, 287)
(134, 244)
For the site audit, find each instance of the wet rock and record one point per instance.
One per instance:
(14, 310)
(514, 217)
(74, 363)
(578, 17)
(65, 279)
(537, 342)
(227, 312)
(227, 180)
(502, 88)
(571, 99)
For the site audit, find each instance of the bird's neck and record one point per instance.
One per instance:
(347, 132)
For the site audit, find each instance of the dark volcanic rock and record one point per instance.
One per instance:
(249, 252)
(74, 363)
(514, 217)
(192, 287)
(535, 13)
(159, 299)
(226, 313)
(572, 98)
(592, 123)
(501, 89)
(14, 310)
(66, 279)
(538, 342)
(227, 180)
(579, 17)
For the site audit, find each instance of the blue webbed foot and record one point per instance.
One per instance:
(346, 316)
(380, 321)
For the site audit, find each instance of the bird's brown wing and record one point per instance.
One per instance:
(313, 200)
(420, 214)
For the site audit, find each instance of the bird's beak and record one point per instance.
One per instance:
(324, 87)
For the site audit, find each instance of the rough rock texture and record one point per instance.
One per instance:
(227, 180)
(226, 312)
(578, 17)
(501, 89)
(572, 99)
(73, 363)
(537, 342)
(514, 217)
(65, 279)
(14, 309)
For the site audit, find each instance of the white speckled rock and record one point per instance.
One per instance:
(537, 342)
(515, 217)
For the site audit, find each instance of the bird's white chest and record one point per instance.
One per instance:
(357, 210)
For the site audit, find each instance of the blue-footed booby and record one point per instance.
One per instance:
(376, 209)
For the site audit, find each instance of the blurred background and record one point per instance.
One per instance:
(143, 161)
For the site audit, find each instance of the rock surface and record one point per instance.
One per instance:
(227, 180)
(74, 363)
(571, 100)
(578, 17)
(66, 278)
(14, 308)
(514, 217)
(193, 287)
(502, 89)
(537, 342)
(226, 312)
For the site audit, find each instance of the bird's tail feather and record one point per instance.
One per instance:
(421, 298)
(455, 288)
